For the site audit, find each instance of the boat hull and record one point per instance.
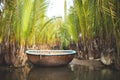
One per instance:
(50, 60)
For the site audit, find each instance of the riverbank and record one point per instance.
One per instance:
(89, 63)
(93, 64)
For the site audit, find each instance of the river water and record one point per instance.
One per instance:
(71, 72)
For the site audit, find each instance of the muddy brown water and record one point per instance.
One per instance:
(70, 72)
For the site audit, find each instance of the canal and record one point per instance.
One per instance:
(71, 72)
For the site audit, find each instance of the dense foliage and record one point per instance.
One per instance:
(91, 27)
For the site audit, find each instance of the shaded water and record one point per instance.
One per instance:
(71, 72)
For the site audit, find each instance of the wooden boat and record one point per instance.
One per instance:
(50, 57)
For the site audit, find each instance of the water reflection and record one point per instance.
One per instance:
(2, 74)
(14, 74)
(55, 73)
(87, 73)
(74, 72)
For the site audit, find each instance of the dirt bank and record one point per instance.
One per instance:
(89, 63)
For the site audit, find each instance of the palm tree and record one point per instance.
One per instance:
(20, 19)
(85, 13)
(99, 23)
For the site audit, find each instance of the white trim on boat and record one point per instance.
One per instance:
(50, 52)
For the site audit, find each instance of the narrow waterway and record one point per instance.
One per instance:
(71, 72)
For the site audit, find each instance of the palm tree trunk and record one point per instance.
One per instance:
(1, 55)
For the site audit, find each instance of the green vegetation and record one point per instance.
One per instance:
(91, 27)
(99, 25)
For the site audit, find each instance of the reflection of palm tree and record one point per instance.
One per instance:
(15, 74)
